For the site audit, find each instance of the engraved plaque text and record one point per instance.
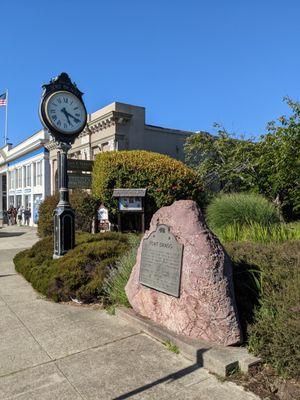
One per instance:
(161, 261)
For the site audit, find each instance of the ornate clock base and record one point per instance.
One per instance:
(64, 215)
(64, 230)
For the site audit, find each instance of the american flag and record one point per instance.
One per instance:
(3, 99)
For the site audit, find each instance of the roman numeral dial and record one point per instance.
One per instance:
(65, 112)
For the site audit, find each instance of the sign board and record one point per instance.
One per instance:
(161, 261)
(102, 214)
(80, 165)
(79, 181)
(130, 204)
(129, 192)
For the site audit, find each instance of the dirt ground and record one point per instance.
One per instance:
(265, 383)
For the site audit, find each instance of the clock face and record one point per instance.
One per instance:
(65, 112)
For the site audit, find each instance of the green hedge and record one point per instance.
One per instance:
(267, 286)
(165, 178)
(80, 273)
(85, 207)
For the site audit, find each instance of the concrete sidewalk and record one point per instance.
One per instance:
(56, 351)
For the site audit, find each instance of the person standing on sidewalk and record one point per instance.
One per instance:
(14, 215)
(19, 215)
(9, 216)
(27, 215)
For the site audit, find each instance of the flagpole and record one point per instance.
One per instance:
(6, 114)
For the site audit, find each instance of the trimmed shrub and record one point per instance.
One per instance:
(85, 207)
(267, 286)
(45, 222)
(165, 178)
(80, 273)
(242, 209)
(119, 276)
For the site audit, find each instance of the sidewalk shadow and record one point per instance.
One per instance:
(11, 234)
(171, 377)
(3, 276)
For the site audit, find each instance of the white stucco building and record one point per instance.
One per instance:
(25, 174)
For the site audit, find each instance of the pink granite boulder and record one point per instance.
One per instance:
(205, 308)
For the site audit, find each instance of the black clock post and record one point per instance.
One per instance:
(63, 113)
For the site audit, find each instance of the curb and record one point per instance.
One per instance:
(220, 360)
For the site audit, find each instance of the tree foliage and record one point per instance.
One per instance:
(224, 163)
(83, 203)
(279, 161)
(270, 166)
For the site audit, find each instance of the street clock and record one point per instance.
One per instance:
(62, 110)
(63, 113)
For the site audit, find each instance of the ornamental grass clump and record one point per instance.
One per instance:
(119, 276)
(165, 179)
(241, 209)
(257, 233)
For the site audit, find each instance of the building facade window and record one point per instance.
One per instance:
(24, 176)
(34, 174)
(11, 201)
(18, 201)
(37, 173)
(11, 179)
(18, 178)
(28, 175)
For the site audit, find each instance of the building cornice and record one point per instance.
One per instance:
(107, 120)
(51, 145)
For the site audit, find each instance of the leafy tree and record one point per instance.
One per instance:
(279, 162)
(270, 166)
(223, 163)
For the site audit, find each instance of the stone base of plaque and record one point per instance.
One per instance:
(182, 278)
(220, 360)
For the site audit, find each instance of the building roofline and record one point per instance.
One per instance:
(24, 147)
(162, 128)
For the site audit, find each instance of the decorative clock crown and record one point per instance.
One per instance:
(62, 82)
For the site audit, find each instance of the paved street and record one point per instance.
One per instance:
(58, 351)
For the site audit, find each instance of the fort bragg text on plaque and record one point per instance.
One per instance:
(161, 261)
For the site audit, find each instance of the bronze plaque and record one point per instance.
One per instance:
(161, 261)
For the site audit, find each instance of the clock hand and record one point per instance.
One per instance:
(63, 110)
(72, 116)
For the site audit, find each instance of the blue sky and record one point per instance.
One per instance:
(190, 63)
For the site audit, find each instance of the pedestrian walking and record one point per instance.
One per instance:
(10, 215)
(20, 215)
(27, 215)
(14, 215)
